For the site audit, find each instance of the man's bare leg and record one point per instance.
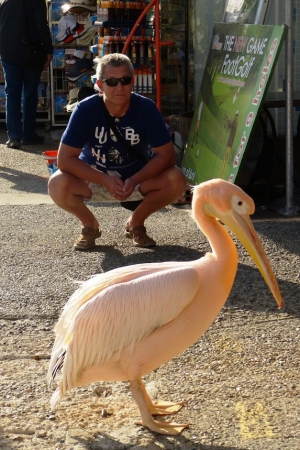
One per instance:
(159, 192)
(69, 192)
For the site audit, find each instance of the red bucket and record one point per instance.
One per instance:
(50, 156)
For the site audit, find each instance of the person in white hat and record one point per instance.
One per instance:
(20, 22)
(104, 156)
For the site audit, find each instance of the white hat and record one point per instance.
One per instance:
(86, 38)
(72, 96)
(83, 2)
(78, 94)
(78, 6)
(66, 24)
(72, 99)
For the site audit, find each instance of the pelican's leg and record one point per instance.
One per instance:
(144, 403)
(160, 407)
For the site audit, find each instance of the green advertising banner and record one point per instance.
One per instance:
(236, 77)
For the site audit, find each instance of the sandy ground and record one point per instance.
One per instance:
(239, 382)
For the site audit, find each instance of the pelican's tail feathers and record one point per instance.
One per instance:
(58, 366)
(55, 399)
(55, 355)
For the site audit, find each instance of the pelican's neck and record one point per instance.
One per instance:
(221, 243)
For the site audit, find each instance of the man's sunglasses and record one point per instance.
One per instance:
(112, 82)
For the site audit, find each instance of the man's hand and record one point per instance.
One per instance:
(119, 189)
(114, 185)
(124, 191)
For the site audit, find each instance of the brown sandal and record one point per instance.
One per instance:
(86, 240)
(140, 237)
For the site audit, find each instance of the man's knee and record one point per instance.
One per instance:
(55, 183)
(60, 186)
(64, 187)
(177, 179)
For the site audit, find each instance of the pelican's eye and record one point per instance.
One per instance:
(238, 204)
(242, 205)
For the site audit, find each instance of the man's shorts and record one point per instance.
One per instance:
(101, 194)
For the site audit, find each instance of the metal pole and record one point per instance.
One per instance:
(187, 53)
(289, 207)
(157, 54)
(258, 18)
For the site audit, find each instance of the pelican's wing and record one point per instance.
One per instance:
(94, 286)
(100, 282)
(123, 315)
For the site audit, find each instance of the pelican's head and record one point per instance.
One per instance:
(232, 206)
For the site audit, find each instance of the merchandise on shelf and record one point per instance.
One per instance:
(60, 102)
(115, 20)
(81, 67)
(74, 27)
(56, 11)
(122, 16)
(73, 31)
(143, 81)
(59, 57)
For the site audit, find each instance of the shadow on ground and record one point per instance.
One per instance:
(178, 442)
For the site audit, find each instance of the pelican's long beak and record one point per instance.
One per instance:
(241, 225)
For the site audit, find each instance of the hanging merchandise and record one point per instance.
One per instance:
(73, 33)
(80, 68)
(72, 99)
(69, 29)
(65, 26)
(76, 95)
(88, 33)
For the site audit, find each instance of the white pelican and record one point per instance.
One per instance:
(122, 324)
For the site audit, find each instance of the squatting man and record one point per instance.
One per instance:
(95, 165)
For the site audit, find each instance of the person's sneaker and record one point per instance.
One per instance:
(13, 143)
(33, 140)
(86, 240)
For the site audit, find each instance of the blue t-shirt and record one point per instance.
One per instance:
(142, 125)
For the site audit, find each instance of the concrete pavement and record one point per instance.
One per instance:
(24, 172)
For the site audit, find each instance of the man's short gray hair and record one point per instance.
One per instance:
(114, 60)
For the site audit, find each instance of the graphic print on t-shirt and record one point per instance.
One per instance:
(104, 153)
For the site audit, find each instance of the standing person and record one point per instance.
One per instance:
(95, 163)
(19, 20)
